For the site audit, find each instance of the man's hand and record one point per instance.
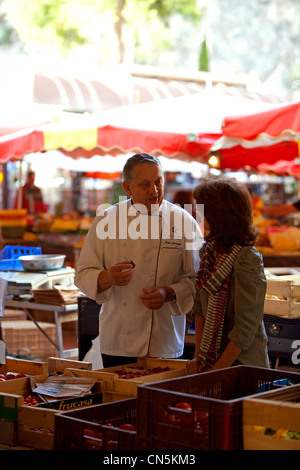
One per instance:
(120, 274)
(153, 298)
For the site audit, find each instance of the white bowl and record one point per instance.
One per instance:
(42, 262)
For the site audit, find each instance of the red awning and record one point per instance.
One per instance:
(280, 122)
(282, 167)
(263, 137)
(183, 127)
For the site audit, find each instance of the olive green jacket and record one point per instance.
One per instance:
(243, 323)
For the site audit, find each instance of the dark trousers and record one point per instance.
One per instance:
(112, 361)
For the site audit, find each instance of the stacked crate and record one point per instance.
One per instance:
(283, 296)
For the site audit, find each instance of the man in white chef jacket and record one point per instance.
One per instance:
(139, 261)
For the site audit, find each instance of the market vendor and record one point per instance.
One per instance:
(31, 196)
(231, 283)
(143, 302)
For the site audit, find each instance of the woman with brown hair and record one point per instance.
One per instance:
(231, 284)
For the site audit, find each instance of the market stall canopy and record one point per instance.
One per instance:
(282, 167)
(122, 86)
(17, 118)
(263, 137)
(182, 127)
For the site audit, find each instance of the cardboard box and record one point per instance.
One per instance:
(12, 314)
(24, 336)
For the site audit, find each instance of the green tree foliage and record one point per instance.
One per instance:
(65, 24)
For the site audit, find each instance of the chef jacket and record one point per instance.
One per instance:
(161, 246)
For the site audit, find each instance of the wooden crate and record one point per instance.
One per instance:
(31, 419)
(12, 393)
(277, 412)
(23, 366)
(33, 426)
(129, 386)
(57, 364)
(283, 296)
(105, 378)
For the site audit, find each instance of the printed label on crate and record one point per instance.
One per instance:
(73, 403)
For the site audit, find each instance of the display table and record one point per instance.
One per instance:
(62, 314)
(280, 258)
(49, 247)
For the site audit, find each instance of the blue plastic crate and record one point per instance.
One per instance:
(9, 256)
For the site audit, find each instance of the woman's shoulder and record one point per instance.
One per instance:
(248, 256)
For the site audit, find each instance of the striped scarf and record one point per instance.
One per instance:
(214, 276)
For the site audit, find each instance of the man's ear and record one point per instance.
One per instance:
(126, 187)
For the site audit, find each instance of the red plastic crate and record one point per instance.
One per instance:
(216, 399)
(88, 429)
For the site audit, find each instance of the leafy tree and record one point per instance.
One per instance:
(65, 24)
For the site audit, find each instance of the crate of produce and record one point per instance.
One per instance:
(272, 421)
(57, 364)
(128, 377)
(12, 393)
(203, 411)
(24, 336)
(9, 256)
(22, 367)
(13, 222)
(106, 379)
(27, 417)
(109, 426)
(283, 296)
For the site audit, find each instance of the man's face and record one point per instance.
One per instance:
(147, 185)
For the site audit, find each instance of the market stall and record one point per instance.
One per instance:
(261, 137)
(209, 420)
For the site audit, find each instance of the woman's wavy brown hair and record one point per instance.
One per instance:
(228, 210)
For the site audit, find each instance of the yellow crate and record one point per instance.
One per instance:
(283, 296)
(278, 411)
(25, 336)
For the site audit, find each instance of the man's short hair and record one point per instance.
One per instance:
(138, 159)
